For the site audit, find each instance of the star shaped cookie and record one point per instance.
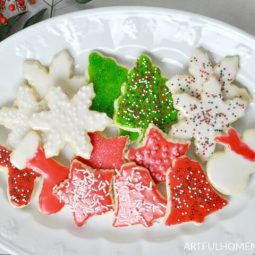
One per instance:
(86, 192)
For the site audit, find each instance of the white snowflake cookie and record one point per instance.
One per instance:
(200, 68)
(206, 117)
(229, 171)
(68, 121)
(16, 118)
(59, 73)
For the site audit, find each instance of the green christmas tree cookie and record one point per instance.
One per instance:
(144, 99)
(107, 77)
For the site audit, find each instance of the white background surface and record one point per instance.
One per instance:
(240, 13)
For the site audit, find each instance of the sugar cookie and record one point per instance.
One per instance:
(157, 153)
(190, 196)
(86, 192)
(204, 118)
(229, 171)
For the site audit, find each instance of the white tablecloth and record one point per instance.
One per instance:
(240, 13)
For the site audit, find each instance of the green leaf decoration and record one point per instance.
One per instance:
(82, 1)
(145, 99)
(107, 77)
(132, 135)
(35, 18)
(6, 29)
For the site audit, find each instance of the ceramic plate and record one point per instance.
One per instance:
(169, 37)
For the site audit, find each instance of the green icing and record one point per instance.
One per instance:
(107, 77)
(132, 135)
(145, 99)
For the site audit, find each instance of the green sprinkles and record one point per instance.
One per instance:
(107, 77)
(145, 99)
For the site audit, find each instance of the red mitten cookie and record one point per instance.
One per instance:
(190, 196)
(86, 192)
(107, 153)
(157, 153)
(29, 154)
(137, 198)
(20, 183)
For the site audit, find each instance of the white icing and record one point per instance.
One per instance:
(229, 172)
(200, 68)
(204, 118)
(25, 150)
(68, 121)
(16, 117)
(60, 73)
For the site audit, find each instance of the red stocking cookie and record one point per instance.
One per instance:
(157, 153)
(20, 183)
(191, 197)
(107, 153)
(137, 198)
(86, 192)
(29, 154)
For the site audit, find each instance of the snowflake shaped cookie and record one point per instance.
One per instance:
(205, 117)
(200, 68)
(16, 118)
(68, 121)
(59, 73)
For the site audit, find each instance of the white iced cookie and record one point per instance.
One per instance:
(59, 73)
(206, 117)
(68, 121)
(229, 171)
(16, 118)
(226, 72)
(200, 68)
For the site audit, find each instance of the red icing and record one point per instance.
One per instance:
(157, 154)
(53, 173)
(87, 192)
(137, 198)
(236, 144)
(192, 198)
(107, 153)
(20, 182)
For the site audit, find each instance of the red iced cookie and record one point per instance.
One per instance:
(190, 196)
(86, 192)
(157, 153)
(236, 144)
(137, 198)
(30, 154)
(107, 153)
(20, 183)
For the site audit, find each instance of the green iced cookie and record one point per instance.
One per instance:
(144, 99)
(132, 135)
(107, 77)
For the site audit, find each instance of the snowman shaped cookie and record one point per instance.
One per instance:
(229, 171)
